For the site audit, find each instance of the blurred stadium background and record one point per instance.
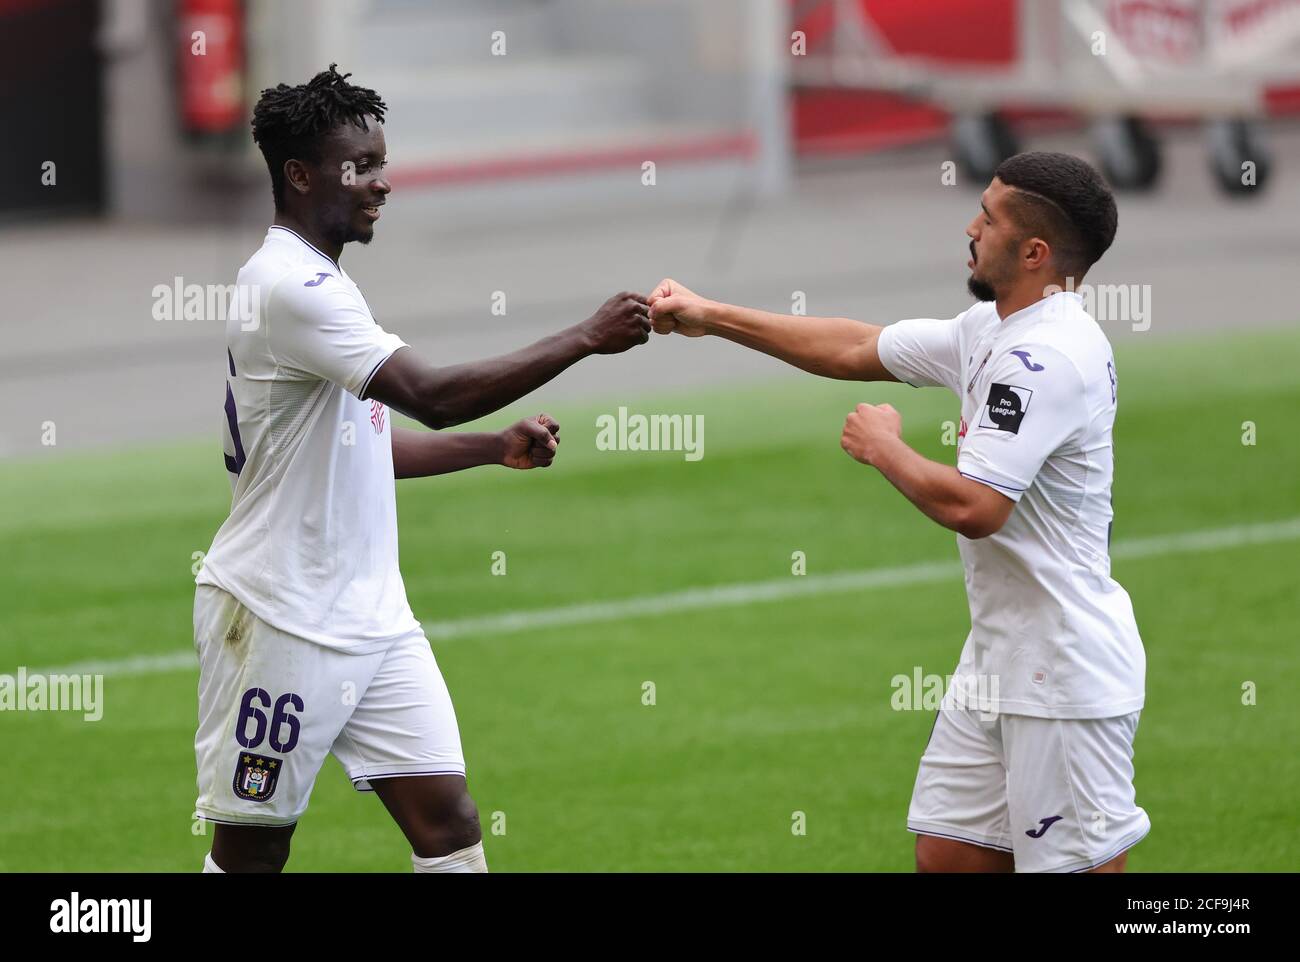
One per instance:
(825, 151)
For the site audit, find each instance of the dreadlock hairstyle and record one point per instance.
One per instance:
(289, 122)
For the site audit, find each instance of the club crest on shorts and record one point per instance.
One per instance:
(1005, 408)
(256, 777)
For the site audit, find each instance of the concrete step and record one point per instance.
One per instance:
(444, 34)
(568, 150)
(520, 97)
(502, 180)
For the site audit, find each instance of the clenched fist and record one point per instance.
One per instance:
(622, 322)
(674, 307)
(867, 427)
(530, 443)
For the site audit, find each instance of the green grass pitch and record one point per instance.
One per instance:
(761, 710)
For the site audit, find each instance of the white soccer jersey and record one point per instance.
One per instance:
(310, 546)
(1038, 394)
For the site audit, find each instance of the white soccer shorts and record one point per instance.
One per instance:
(1057, 793)
(272, 705)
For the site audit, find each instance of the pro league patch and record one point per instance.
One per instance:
(1005, 408)
(256, 777)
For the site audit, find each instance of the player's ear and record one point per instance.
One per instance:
(296, 176)
(1037, 253)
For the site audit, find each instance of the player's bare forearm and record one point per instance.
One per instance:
(464, 392)
(834, 347)
(440, 397)
(526, 444)
(938, 490)
(873, 435)
(422, 454)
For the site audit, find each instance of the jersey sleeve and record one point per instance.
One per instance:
(320, 330)
(1035, 403)
(923, 352)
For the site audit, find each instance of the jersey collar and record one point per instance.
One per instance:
(289, 230)
(1050, 302)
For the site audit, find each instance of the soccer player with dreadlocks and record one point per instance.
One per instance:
(306, 642)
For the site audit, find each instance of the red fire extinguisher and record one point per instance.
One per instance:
(211, 61)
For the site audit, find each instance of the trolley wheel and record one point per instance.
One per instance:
(1234, 144)
(980, 142)
(1129, 152)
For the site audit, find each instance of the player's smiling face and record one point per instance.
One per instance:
(994, 240)
(351, 187)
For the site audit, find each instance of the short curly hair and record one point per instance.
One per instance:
(1065, 201)
(289, 122)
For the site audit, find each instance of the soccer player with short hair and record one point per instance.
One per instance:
(306, 642)
(1037, 774)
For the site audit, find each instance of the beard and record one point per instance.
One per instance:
(1000, 272)
(981, 290)
(344, 232)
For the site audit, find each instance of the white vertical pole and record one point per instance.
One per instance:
(293, 40)
(769, 49)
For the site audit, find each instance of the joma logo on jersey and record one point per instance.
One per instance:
(1044, 825)
(320, 279)
(1024, 359)
(377, 416)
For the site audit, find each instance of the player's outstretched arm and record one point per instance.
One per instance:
(440, 397)
(830, 346)
(530, 443)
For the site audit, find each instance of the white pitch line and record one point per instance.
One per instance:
(722, 596)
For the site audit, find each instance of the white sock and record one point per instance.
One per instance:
(466, 860)
(210, 867)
